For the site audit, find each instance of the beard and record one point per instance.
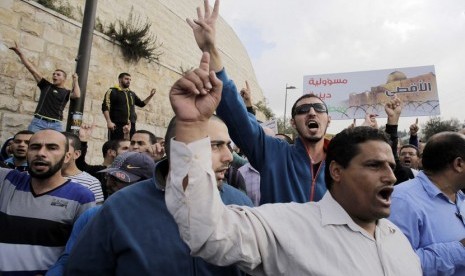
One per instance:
(47, 174)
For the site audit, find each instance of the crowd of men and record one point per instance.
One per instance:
(188, 204)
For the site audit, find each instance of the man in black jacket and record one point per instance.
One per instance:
(118, 107)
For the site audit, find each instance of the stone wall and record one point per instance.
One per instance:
(50, 40)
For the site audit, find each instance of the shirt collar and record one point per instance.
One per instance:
(332, 213)
(432, 190)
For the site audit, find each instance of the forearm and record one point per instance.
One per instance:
(216, 63)
(441, 257)
(30, 67)
(147, 100)
(243, 127)
(106, 114)
(81, 160)
(413, 140)
(76, 93)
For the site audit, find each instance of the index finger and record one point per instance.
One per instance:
(416, 121)
(247, 85)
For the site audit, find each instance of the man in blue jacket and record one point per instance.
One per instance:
(134, 234)
(288, 172)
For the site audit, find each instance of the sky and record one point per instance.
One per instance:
(290, 39)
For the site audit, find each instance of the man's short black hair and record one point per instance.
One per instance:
(410, 146)
(304, 97)
(74, 140)
(441, 150)
(152, 137)
(122, 75)
(23, 132)
(345, 146)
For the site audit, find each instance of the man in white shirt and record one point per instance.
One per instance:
(343, 234)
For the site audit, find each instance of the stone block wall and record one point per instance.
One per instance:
(51, 40)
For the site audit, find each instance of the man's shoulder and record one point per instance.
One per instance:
(409, 188)
(74, 191)
(231, 195)
(84, 177)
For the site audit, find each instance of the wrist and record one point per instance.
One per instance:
(188, 131)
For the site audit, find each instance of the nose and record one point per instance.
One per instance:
(312, 111)
(389, 176)
(226, 155)
(41, 151)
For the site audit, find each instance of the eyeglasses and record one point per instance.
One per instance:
(305, 108)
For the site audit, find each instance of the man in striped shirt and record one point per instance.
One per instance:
(37, 210)
(71, 171)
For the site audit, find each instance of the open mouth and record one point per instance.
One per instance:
(312, 124)
(385, 194)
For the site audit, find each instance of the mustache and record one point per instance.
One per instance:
(40, 161)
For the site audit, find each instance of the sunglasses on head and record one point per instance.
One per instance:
(305, 108)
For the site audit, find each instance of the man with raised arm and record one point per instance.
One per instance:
(279, 163)
(53, 96)
(343, 234)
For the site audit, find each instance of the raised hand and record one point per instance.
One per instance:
(196, 95)
(370, 120)
(85, 131)
(414, 128)
(393, 109)
(246, 94)
(16, 49)
(153, 91)
(204, 26)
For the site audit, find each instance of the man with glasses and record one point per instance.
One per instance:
(288, 172)
(429, 209)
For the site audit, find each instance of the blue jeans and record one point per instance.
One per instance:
(38, 124)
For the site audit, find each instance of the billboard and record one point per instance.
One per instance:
(352, 95)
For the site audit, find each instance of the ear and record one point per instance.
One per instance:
(458, 164)
(111, 153)
(77, 153)
(67, 157)
(292, 123)
(335, 170)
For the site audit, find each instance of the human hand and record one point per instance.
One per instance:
(156, 151)
(246, 94)
(204, 26)
(127, 128)
(75, 77)
(414, 128)
(370, 120)
(85, 132)
(111, 126)
(196, 95)
(16, 49)
(153, 91)
(393, 109)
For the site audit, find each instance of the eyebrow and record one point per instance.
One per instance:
(220, 142)
(43, 144)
